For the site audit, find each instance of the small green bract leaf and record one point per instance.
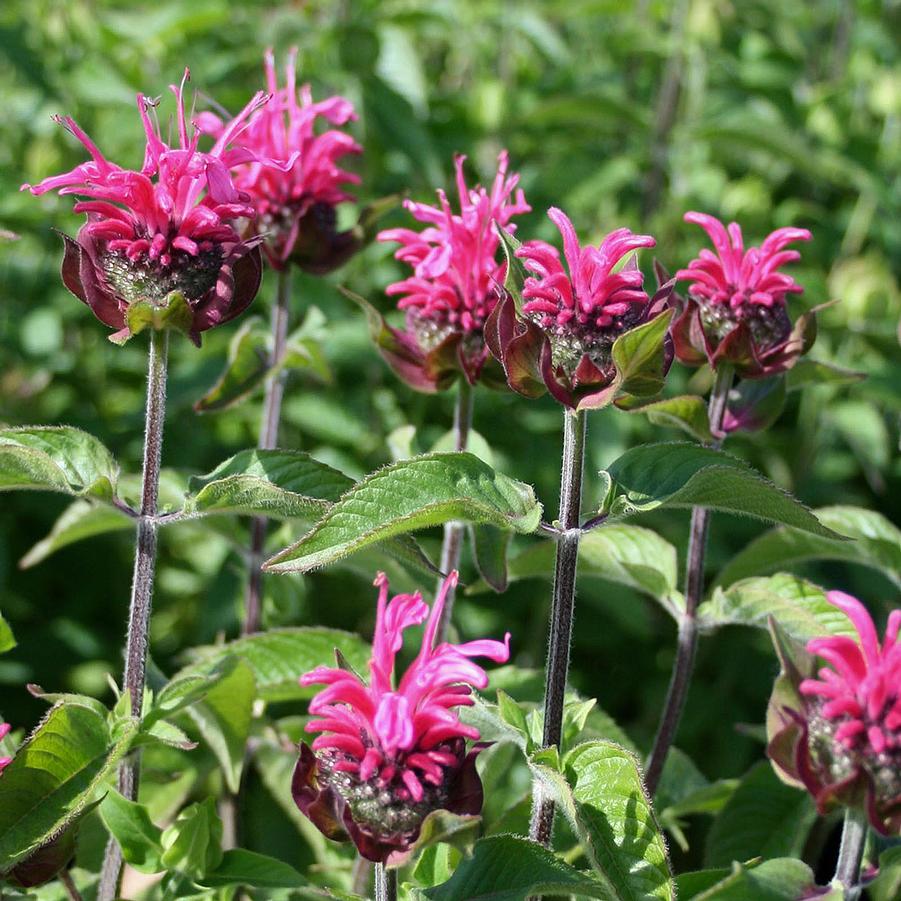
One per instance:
(410, 495)
(131, 826)
(685, 475)
(639, 356)
(51, 458)
(687, 412)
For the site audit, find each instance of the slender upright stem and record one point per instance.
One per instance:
(694, 589)
(385, 883)
(69, 885)
(272, 411)
(453, 531)
(850, 852)
(560, 634)
(142, 585)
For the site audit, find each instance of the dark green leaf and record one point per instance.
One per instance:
(490, 551)
(685, 475)
(782, 879)
(410, 495)
(130, 825)
(193, 843)
(240, 867)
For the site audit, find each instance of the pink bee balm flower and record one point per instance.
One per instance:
(4, 731)
(159, 246)
(736, 311)
(562, 338)
(294, 179)
(391, 751)
(454, 285)
(846, 737)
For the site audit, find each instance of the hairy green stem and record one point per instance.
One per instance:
(454, 531)
(141, 586)
(850, 852)
(564, 596)
(385, 883)
(272, 411)
(686, 649)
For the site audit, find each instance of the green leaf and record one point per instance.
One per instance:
(603, 797)
(515, 271)
(81, 519)
(510, 868)
(764, 817)
(628, 555)
(223, 718)
(815, 372)
(246, 367)
(55, 775)
(193, 843)
(442, 826)
(798, 606)
(490, 551)
(7, 639)
(783, 879)
(56, 458)
(130, 825)
(274, 483)
(685, 475)
(240, 867)
(184, 690)
(410, 495)
(280, 656)
(640, 357)
(877, 544)
(687, 412)
(887, 885)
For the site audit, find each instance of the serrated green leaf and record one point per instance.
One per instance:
(798, 606)
(56, 458)
(410, 495)
(764, 817)
(628, 555)
(246, 367)
(130, 825)
(223, 718)
(279, 657)
(510, 868)
(877, 544)
(80, 520)
(55, 775)
(685, 475)
(274, 483)
(193, 843)
(603, 797)
(687, 412)
(240, 867)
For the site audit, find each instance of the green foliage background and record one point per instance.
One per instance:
(768, 112)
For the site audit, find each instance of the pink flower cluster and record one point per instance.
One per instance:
(593, 295)
(187, 209)
(388, 754)
(861, 687)
(291, 169)
(4, 731)
(737, 277)
(455, 267)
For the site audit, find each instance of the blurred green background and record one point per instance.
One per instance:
(768, 112)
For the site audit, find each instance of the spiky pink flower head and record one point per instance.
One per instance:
(294, 179)
(454, 285)
(391, 751)
(845, 736)
(159, 247)
(562, 337)
(736, 309)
